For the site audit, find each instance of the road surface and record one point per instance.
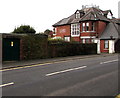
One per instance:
(97, 76)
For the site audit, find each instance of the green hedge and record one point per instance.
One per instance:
(34, 46)
(61, 49)
(38, 47)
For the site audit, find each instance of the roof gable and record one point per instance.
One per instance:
(87, 14)
(94, 14)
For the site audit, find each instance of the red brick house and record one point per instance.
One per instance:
(89, 25)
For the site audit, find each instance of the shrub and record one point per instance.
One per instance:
(62, 49)
(38, 47)
(34, 46)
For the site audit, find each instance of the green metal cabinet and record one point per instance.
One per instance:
(11, 49)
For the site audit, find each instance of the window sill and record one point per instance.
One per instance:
(54, 34)
(87, 31)
(75, 35)
(106, 49)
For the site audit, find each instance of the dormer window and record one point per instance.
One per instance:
(77, 14)
(109, 15)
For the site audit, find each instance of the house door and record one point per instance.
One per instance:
(11, 49)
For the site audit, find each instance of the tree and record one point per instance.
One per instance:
(47, 31)
(24, 29)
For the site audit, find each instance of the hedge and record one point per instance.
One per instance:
(38, 47)
(34, 46)
(61, 49)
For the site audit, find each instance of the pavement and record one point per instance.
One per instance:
(14, 64)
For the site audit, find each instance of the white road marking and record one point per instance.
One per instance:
(109, 61)
(63, 71)
(3, 85)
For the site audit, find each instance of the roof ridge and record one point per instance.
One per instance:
(85, 14)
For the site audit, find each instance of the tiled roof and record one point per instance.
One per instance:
(65, 20)
(111, 30)
(115, 20)
(89, 14)
(106, 12)
(94, 14)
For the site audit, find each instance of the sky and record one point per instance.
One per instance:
(42, 14)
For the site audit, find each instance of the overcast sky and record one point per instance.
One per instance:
(42, 14)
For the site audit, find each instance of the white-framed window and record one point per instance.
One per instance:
(87, 26)
(77, 14)
(67, 39)
(83, 40)
(106, 44)
(93, 26)
(109, 15)
(87, 40)
(55, 30)
(75, 29)
(83, 27)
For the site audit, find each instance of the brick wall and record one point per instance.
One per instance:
(88, 34)
(63, 31)
(100, 27)
(77, 39)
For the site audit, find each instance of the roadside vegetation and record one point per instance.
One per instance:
(40, 46)
(24, 29)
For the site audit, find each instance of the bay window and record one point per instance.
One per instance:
(93, 26)
(83, 27)
(87, 26)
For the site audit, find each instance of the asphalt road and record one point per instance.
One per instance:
(96, 76)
